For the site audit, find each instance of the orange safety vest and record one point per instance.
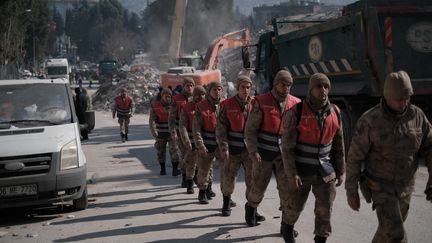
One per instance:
(161, 119)
(208, 116)
(236, 124)
(189, 108)
(123, 106)
(271, 128)
(314, 141)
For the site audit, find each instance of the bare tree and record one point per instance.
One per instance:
(13, 28)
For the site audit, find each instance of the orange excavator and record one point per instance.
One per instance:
(209, 70)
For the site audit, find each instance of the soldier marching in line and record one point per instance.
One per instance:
(230, 137)
(204, 128)
(124, 107)
(388, 141)
(174, 115)
(262, 133)
(158, 122)
(313, 157)
(185, 129)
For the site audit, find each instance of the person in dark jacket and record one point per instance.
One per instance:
(80, 109)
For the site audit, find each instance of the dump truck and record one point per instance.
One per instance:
(356, 51)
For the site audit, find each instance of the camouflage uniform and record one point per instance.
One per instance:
(162, 137)
(205, 162)
(230, 137)
(388, 146)
(173, 122)
(190, 158)
(262, 170)
(186, 135)
(124, 107)
(317, 162)
(235, 160)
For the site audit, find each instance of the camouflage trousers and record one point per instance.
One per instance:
(124, 125)
(262, 173)
(161, 145)
(324, 193)
(190, 164)
(205, 168)
(182, 149)
(391, 205)
(231, 169)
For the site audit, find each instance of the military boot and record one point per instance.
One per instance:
(209, 192)
(175, 170)
(202, 197)
(232, 203)
(320, 239)
(163, 169)
(250, 215)
(226, 208)
(184, 182)
(122, 136)
(189, 188)
(126, 137)
(288, 233)
(259, 217)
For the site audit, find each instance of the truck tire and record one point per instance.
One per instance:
(347, 129)
(82, 202)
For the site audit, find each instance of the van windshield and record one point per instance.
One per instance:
(25, 105)
(60, 70)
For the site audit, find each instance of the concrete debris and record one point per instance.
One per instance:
(142, 85)
(70, 216)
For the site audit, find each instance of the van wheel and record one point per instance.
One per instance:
(82, 202)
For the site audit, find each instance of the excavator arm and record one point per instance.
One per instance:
(233, 39)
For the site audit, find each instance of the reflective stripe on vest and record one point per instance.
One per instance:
(209, 125)
(123, 106)
(271, 126)
(314, 144)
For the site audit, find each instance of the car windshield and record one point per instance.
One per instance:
(26, 105)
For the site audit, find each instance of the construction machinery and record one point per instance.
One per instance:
(209, 70)
(356, 51)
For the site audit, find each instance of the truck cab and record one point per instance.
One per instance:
(41, 159)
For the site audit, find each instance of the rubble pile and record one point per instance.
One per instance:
(142, 85)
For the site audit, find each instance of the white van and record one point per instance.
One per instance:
(57, 68)
(41, 160)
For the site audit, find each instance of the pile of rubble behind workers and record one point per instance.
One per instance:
(142, 85)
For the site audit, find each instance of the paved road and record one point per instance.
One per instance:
(130, 202)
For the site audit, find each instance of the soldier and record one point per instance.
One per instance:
(230, 137)
(124, 106)
(185, 128)
(158, 123)
(387, 142)
(262, 133)
(180, 100)
(203, 128)
(313, 157)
